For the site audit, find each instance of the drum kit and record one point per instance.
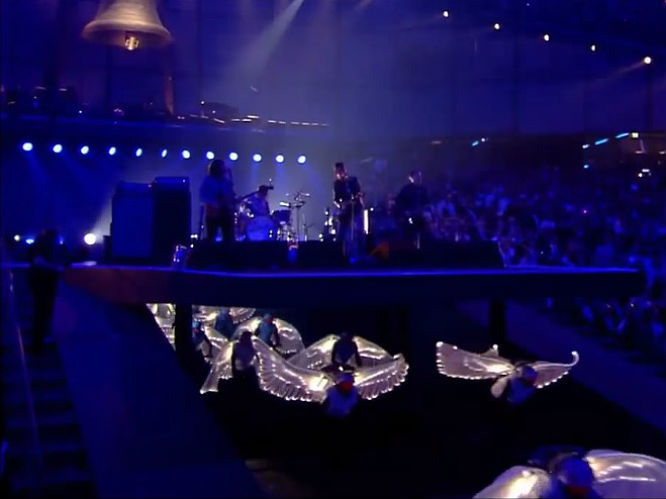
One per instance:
(283, 224)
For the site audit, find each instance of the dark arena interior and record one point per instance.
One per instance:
(333, 248)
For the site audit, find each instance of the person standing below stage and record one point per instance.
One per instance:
(347, 197)
(47, 259)
(217, 196)
(258, 202)
(412, 208)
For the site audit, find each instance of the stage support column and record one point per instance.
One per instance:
(183, 331)
(497, 322)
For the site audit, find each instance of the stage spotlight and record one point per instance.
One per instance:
(17, 238)
(138, 152)
(497, 26)
(546, 37)
(445, 13)
(185, 154)
(112, 150)
(90, 239)
(84, 150)
(256, 157)
(27, 146)
(163, 153)
(210, 155)
(57, 148)
(301, 159)
(586, 166)
(29, 240)
(647, 60)
(593, 47)
(279, 158)
(233, 156)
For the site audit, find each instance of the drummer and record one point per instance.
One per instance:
(257, 204)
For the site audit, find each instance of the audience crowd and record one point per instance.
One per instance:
(612, 217)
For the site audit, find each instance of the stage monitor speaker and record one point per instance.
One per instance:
(246, 255)
(447, 255)
(318, 254)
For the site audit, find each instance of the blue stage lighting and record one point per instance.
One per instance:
(29, 240)
(138, 152)
(185, 154)
(586, 166)
(112, 151)
(600, 141)
(163, 153)
(84, 150)
(233, 156)
(27, 146)
(57, 148)
(210, 155)
(256, 157)
(279, 158)
(301, 159)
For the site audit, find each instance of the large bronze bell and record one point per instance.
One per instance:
(129, 24)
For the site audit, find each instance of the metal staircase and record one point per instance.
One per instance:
(45, 456)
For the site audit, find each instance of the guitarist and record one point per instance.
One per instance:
(412, 208)
(218, 197)
(348, 198)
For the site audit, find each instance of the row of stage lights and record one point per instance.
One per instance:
(90, 239)
(185, 153)
(546, 37)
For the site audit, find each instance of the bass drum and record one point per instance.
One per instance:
(260, 229)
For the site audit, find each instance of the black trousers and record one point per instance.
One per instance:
(225, 221)
(351, 244)
(418, 228)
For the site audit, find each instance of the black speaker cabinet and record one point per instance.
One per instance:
(246, 255)
(318, 254)
(149, 220)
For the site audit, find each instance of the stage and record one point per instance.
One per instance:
(347, 287)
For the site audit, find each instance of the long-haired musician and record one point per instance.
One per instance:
(218, 197)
